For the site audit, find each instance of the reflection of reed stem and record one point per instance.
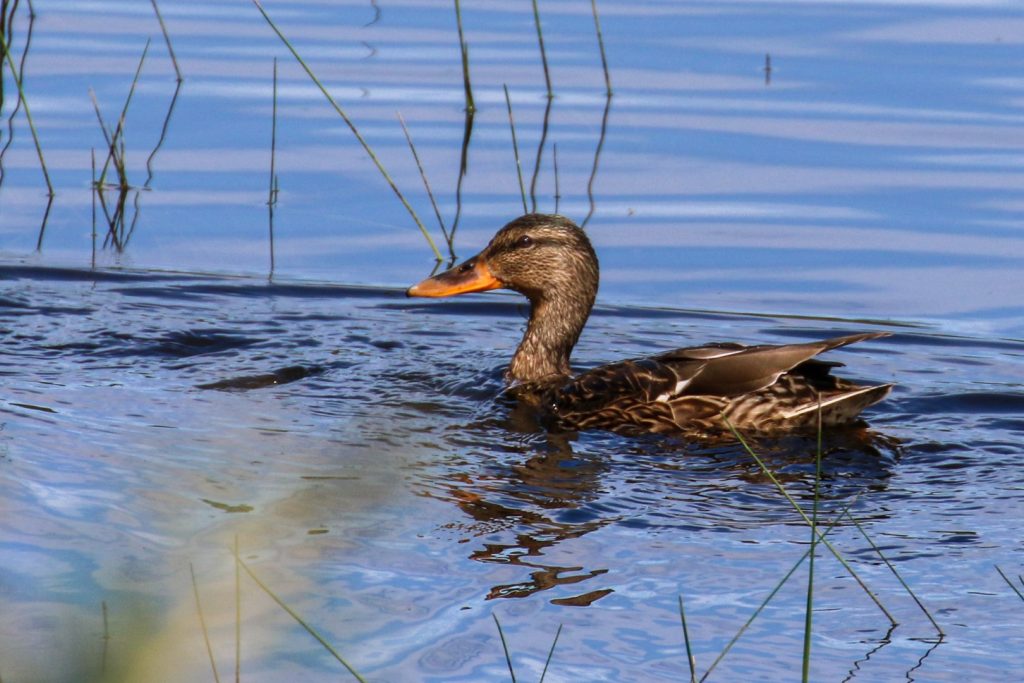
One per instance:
(515, 148)
(352, 127)
(540, 153)
(554, 161)
(597, 158)
(163, 135)
(46, 218)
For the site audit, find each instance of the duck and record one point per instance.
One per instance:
(717, 388)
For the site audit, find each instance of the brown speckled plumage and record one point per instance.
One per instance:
(764, 389)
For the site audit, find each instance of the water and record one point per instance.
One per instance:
(380, 487)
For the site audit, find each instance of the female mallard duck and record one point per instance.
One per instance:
(763, 389)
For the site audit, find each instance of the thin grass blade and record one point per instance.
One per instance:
(504, 645)
(301, 622)
(796, 506)
(202, 623)
(686, 640)
(515, 148)
(551, 653)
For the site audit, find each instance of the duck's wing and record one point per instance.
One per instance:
(691, 388)
(731, 370)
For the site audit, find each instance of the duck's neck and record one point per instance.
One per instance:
(555, 325)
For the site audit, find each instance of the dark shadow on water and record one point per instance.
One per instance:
(292, 373)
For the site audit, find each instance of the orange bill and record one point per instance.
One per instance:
(471, 276)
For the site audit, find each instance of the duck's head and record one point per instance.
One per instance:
(543, 257)
(549, 260)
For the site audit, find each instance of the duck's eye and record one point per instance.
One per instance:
(524, 241)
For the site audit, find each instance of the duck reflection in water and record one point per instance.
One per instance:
(543, 491)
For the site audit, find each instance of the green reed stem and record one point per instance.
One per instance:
(355, 131)
(686, 640)
(504, 644)
(774, 591)
(464, 51)
(600, 45)
(202, 623)
(28, 113)
(597, 159)
(878, 551)
(106, 635)
(107, 133)
(302, 622)
(515, 148)
(1009, 583)
(423, 175)
(238, 614)
(115, 136)
(119, 134)
(551, 653)
(809, 609)
(543, 52)
(846, 565)
(167, 39)
(95, 191)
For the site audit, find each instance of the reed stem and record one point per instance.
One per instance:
(28, 113)
(686, 640)
(551, 653)
(600, 45)
(167, 39)
(504, 645)
(202, 623)
(426, 183)
(515, 148)
(301, 622)
(796, 506)
(464, 51)
(543, 52)
(355, 131)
